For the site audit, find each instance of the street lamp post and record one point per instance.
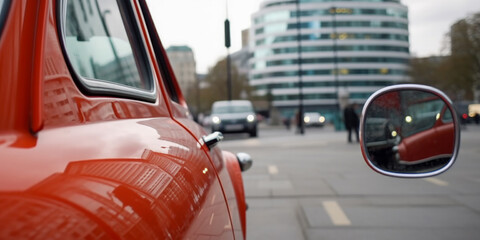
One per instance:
(333, 11)
(227, 45)
(229, 64)
(301, 125)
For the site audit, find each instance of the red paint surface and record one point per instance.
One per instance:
(77, 166)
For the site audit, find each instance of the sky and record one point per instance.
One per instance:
(199, 24)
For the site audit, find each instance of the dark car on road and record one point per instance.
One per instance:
(234, 116)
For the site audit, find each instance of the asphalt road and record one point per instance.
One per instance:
(317, 186)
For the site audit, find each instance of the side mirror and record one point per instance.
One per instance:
(409, 131)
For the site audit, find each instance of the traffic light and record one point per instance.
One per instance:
(227, 33)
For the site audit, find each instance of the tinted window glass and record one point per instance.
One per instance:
(447, 116)
(98, 44)
(422, 116)
(3, 13)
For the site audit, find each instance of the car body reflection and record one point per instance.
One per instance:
(430, 139)
(409, 131)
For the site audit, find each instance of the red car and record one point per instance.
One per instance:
(427, 136)
(96, 140)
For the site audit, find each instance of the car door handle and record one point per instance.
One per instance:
(212, 139)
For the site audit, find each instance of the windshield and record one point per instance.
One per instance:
(422, 116)
(232, 109)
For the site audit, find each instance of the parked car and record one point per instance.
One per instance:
(207, 121)
(234, 116)
(313, 119)
(96, 140)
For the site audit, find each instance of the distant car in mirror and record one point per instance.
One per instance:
(409, 131)
(313, 119)
(234, 116)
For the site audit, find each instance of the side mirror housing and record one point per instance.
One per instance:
(409, 131)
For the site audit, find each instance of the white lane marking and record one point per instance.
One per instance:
(437, 181)
(272, 169)
(336, 214)
(212, 201)
(211, 218)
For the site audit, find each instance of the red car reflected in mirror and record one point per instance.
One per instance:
(433, 141)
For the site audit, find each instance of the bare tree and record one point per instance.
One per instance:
(216, 86)
(458, 74)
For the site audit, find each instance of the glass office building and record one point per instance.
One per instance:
(346, 51)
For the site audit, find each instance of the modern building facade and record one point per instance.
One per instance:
(241, 57)
(348, 49)
(184, 66)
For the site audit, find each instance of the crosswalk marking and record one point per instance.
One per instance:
(336, 214)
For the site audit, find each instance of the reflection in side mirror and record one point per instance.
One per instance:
(409, 131)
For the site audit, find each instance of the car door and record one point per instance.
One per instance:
(226, 168)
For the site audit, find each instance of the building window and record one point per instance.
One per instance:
(278, 39)
(353, 46)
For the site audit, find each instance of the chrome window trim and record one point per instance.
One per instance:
(100, 88)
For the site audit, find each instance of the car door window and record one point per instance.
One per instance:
(447, 116)
(102, 51)
(3, 12)
(422, 116)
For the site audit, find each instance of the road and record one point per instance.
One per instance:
(317, 186)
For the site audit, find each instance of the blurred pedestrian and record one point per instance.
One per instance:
(351, 121)
(299, 119)
(287, 122)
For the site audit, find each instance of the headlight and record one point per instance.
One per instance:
(216, 120)
(306, 119)
(321, 119)
(408, 119)
(394, 133)
(250, 118)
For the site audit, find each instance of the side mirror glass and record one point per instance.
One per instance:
(409, 131)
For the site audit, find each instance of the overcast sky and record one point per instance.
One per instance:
(199, 24)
